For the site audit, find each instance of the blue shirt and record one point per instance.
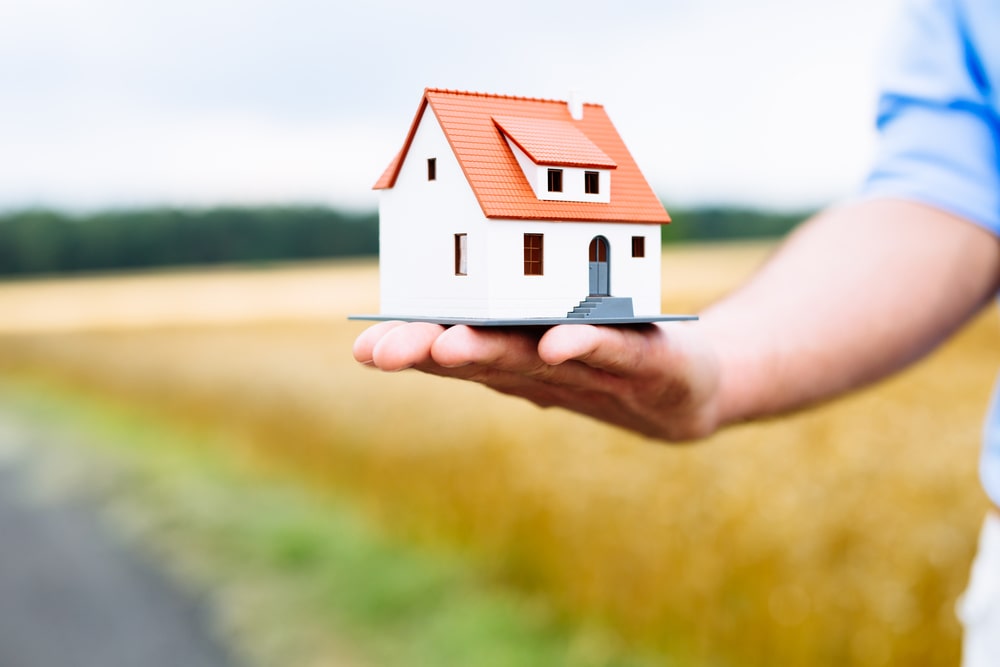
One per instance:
(939, 124)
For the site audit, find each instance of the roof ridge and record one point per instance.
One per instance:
(472, 93)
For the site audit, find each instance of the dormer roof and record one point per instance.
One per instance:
(474, 125)
(557, 143)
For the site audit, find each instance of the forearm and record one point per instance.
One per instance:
(855, 294)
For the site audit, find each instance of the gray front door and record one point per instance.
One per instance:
(599, 274)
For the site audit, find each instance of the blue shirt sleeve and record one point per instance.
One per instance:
(937, 114)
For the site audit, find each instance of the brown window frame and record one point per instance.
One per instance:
(592, 182)
(461, 254)
(638, 246)
(432, 169)
(555, 178)
(534, 254)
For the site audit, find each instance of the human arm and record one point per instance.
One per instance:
(855, 294)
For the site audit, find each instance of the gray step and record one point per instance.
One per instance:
(601, 307)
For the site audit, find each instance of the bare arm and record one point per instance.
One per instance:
(855, 294)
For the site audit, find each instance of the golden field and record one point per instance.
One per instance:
(839, 536)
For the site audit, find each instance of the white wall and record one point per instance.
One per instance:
(566, 279)
(638, 278)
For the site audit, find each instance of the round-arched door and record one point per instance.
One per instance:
(600, 276)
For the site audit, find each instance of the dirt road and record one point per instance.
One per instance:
(73, 594)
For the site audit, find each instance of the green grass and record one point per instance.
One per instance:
(297, 576)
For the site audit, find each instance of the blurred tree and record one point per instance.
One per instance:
(41, 241)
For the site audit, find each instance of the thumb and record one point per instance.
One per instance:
(617, 350)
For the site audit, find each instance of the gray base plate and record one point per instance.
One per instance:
(527, 321)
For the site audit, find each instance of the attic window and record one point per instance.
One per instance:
(532, 254)
(432, 169)
(592, 182)
(555, 180)
(638, 246)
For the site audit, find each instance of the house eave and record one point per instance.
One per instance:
(666, 220)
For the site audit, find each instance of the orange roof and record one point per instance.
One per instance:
(545, 130)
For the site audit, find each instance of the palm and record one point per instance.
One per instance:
(646, 379)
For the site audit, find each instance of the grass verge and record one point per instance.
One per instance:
(296, 575)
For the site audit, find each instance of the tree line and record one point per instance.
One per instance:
(728, 224)
(41, 241)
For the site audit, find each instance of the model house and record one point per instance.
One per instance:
(501, 207)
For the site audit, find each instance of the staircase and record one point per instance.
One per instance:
(602, 307)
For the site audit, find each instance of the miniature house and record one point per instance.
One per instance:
(509, 207)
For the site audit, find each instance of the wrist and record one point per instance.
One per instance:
(745, 372)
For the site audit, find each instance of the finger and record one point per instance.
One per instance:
(514, 350)
(507, 360)
(617, 350)
(405, 346)
(366, 341)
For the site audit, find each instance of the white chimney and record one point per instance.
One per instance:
(575, 105)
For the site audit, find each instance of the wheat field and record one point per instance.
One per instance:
(838, 536)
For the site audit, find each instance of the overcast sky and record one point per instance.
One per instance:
(132, 102)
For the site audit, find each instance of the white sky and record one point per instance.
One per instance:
(125, 102)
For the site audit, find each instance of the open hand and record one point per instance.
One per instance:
(657, 380)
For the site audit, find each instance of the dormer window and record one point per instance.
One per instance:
(592, 182)
(555, 180)
(432, 169)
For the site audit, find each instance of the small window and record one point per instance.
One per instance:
(532, 254)
(555, 180)
(432, 169)
(638, 246)
(461, 254)
(592, 182)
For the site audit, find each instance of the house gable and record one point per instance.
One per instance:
(421, 222)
